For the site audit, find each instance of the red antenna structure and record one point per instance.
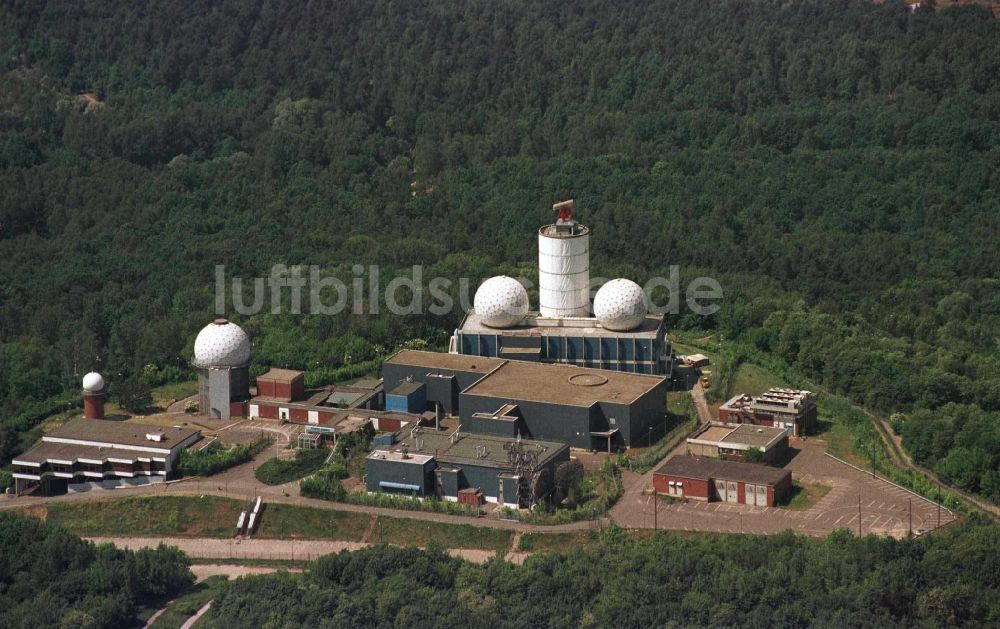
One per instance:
(564, 211)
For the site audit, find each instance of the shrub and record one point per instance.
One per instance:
(276, 472)
(213, 459)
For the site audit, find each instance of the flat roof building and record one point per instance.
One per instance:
(85, 454)
(584, 408)
(580, 341)
(697, 478)
(789, 409)
(424, 462)
(732, 441)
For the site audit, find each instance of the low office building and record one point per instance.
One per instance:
(88, 454)
(423, 462)
(791, 410)
(281, 395)
(732, 442)
(698, 478)
(592, 409)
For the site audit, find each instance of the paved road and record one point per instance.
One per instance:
(701, 404)
(193, 619)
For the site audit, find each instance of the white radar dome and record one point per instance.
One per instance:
(620, 305)
(93, 382)
(221, 344)
(501, 302)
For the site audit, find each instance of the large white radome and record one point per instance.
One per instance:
(620, 305)
(93, 382)
(501, 302)
(221, 344)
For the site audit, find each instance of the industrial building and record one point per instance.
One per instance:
(464, 467)
(222, 361)
(86, 454)
(697, 478)
(443, 376)
(620, 335)
(732, 442)
(584, 408)
(791, 410)
(281, 395)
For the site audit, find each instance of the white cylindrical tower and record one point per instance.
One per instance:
(564, 266)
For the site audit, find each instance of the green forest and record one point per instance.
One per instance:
(834, 164)
(50, 578)
(667, 580)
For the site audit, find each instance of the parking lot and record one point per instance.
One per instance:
(854, 496)
(247, 430)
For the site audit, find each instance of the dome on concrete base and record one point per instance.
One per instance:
(93, 382)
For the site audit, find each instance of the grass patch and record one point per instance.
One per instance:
(206, 516)
(805, 495)
(553, 542)
(190, 602)
(291, 521)
(167, 394)
(403, 532)
(277, 472)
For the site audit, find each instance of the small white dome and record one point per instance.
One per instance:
(501, 302)
(620, 305)
(93, 382)
(221, 344)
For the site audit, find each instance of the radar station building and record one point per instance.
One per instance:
(584, 408)
(222, 361)
(620, 335)
(466, 468)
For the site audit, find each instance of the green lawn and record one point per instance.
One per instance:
(290, 521)
(207, 516)
(404, 532)
(805, 495)
(169, 393)
(277, 471)
(190, 602)
(553, 542)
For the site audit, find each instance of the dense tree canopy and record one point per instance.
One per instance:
(834, 164)
(50, 578)
(949, 579)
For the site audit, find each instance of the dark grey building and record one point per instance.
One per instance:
(444, 375)
(513, 472)
(579, 341)
(584, 408)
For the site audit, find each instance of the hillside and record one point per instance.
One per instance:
(834, 164)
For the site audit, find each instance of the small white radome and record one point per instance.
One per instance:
(501, 302)
(93, 382)
(620, 305)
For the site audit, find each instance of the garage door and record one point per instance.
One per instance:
(732, 494)
(720, 489)
(761, 496)
(749, 494)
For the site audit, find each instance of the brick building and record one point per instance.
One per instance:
(791, 410)
(697, 478)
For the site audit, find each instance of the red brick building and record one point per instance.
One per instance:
(791, 410)
(686, 476)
